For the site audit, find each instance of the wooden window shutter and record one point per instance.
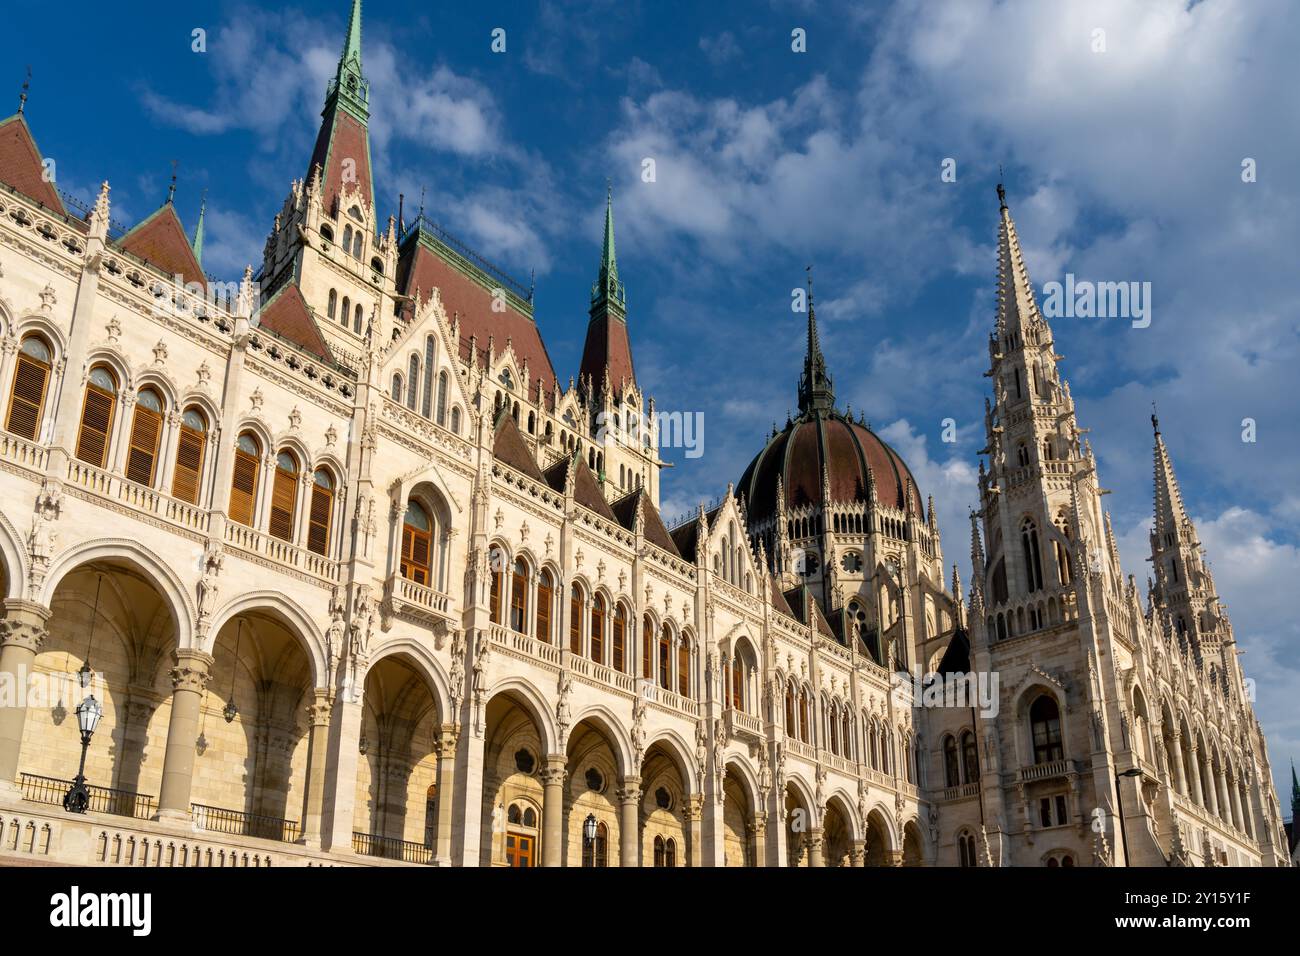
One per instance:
(284, 496)
(318, 527)
(575, 622)
(495, 607)
(28, 397)
(243, 488)
(189, 465)
(415, 555)
(684, 669)
(96, 418)
(647, 648)
(146, 429)
(545, 595)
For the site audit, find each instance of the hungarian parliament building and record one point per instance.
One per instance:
(328, 567)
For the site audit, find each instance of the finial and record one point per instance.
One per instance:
(420, 218)
(22, 97)
(171, 190)
(1002, 192)
(1155, 420)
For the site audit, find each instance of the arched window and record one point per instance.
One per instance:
(846, 730)
(966, 849)
(833, 725)
(737, 683)
(1045, 722)
(357, 318)
(455, 419)
(356, 244)
(27, 394)
(647, 647)
(146, 433)
(284, 496)
(190, 446)
(496, 560)
(396, 391)
(970, 758)
(659, 851)
(683, 667)
(332, 309)
(412, 381)
(322, 508)
(97, 417)
(430, 356)
(670, 853)
(575, 620)
(327, 232)
(1033, 568)
(545, 599)
(803, 715)
(417, 533)
(345, 311)
(665, 655)
(347, 238)
(598, 629)
(519, 597)
(791, 727)
(442, 404)
(618, 642)
(951, 770)
(243, 480)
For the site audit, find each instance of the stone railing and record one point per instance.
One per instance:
(281, 552)
(739, 722)
(800, 749)
(405, 596)
(23, 453)
(962, 792)
(1045, 771)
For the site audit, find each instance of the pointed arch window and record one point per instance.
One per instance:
(347, 238)
(396, 391)
(346, 311)
(1033, 567)
(455, 419)
(618, 640)
(27, 394)
(595, 853)
(684, 667)
(519, 597)
(496, 560)
(737, 683)
(356, 245)
(598, 629)
(97, 417)
(665, 655)
(442, 404)
(660, 852)
(284, 496)
(647, 647)
(190, 446)
(417, 535)
(332, 308)
(791, 727)
(575, 620)
(412, 381)
(545, 600)
(146, 434)
(321, 511)
(1045, 725)
(430, 357)
(243, 480)
(970, 758)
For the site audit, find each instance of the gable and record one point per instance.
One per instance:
(161, 241)
(21, 167)
(287, 316)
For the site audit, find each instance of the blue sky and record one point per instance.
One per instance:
(1123, 164)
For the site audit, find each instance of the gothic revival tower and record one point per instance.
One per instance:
(628, 456)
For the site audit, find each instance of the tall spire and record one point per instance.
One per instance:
(1016, 306)
(349, 82)
(816, 390)
(342, 148)
(197, 244)
(608, 288)
(1170, 514)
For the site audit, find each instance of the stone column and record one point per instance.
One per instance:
(858, 854)
(814, 843)
(553, 810)
(190, 676)
(1194, 776)
(447, 740)
(894, 857)
(1225, 804)
(340, 792)
(1235, 800)
(23, 630)
(629, 822)
(693, 813)
(1180, 773)
(759, 831)
(318, 719)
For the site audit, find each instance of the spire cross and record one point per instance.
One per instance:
(171, 190)
(1155, 420)
(22, 97)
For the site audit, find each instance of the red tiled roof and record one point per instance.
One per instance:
(470, 301)
(655, 532)
(161, 241)
(607, 346)
(586, 491)
(342, 137)
(287, 315)
(20, 164)
(509, 447)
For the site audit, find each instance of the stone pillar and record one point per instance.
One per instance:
(446, 793)
(190, 676)
(1225, 804)
(814, 842)
(629, 822)
(894, 857)
(759, 830)
(318, 721)
(1180, 773)
(1194, 776)
(341, 769)
(693, 813)
(23, 630)
(1235, 799)
(858, 855)
(553, 810)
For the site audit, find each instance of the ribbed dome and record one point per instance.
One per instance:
(846, 449)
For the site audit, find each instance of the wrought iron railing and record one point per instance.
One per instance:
(240, 823)
(122, 803)
(391, 848)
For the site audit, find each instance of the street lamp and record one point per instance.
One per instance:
(1119, 806)
(589, 828)
(77, 799)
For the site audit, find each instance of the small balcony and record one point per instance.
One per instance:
(1046, 771)
(405, 598)
(741, 724)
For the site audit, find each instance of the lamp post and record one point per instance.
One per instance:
(589, 835)
(77, 799)
(1119, 806)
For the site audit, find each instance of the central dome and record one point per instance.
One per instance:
(822, 441)
(846, 450)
